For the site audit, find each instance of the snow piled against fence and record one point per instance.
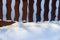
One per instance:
(31, 31)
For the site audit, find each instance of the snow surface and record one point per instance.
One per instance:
(31, 31)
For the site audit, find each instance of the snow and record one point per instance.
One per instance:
(31, 31)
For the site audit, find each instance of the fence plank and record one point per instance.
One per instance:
(46, 10)
(31, 10)
(16, 7)
(24, 17)
(59, 11)
(53, 10)
(8, 6)
(1, 14)
(4, 23)
(38, 17)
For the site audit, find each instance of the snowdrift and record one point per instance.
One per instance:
(31, 31)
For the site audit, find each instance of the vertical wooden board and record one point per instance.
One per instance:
(59, 11)
(53, 10)
(16, 7)
(31, 10)
(8, 7)
(1, 14)
(46, 10)
(24, 9)
(38, 17)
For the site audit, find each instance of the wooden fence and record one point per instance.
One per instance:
(30, 5)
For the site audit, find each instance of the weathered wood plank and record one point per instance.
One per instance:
(38, 17)
(46, 10)
(1, 14)
(53, 10)
(31, 10)
(4, 23)
(8, 7)
(24, 9)
(16, 7)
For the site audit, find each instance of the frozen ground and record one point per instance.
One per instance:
(31, 31)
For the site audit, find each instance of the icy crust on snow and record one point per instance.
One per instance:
(31, 31)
